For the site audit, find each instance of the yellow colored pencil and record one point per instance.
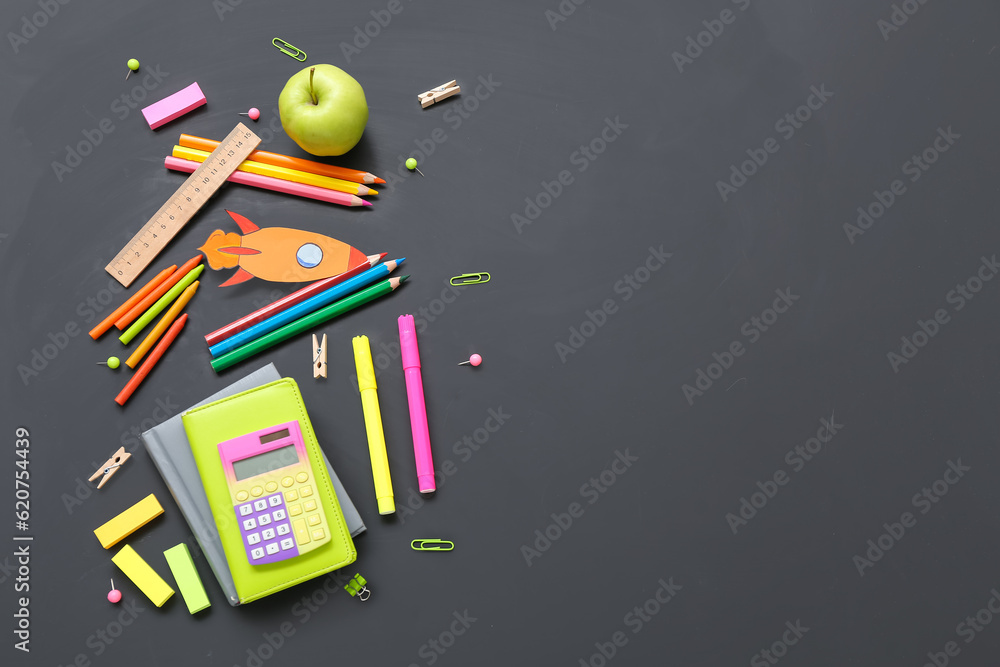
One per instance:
(162, 325)
(284, 173)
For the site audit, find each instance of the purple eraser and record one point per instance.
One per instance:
(175, 106)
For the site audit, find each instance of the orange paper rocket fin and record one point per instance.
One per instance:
(241, 276)
(239, 250)
(245, 225)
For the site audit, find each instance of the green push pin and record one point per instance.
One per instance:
(111, 363)
(133, 65)
(411, 164)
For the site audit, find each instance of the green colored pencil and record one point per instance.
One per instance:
(306, 322)
(158, 307)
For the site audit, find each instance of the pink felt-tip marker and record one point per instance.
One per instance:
(418, 411)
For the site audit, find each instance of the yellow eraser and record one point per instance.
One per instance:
(129, 521)
(186, 575)
(142, 575)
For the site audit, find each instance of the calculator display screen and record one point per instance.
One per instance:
(262, 463)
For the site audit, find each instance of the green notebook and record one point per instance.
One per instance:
(274, 505)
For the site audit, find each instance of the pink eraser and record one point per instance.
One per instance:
(175, 106)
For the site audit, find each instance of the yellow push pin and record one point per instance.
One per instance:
(112, 363)
(133, 65)
(411, 164)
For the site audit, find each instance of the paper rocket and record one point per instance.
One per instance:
(277, 254)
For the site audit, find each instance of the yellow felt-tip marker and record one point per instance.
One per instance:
(373, 425)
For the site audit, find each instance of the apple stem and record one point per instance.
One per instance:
(312, 95)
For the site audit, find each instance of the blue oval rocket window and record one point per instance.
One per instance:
(309, 255)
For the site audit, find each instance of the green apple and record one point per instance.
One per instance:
(323, 109)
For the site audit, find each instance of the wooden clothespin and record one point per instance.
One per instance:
(319, 357)
(111, 466)
(444, 91)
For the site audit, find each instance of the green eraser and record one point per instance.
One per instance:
(182, 566)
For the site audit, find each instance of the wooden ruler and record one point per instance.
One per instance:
(182, 205)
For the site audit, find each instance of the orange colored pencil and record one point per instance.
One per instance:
(279, 160)
(151, 360)
(109, 321)
(141, 307)
(175, 309)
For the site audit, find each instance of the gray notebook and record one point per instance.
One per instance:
(168, 446)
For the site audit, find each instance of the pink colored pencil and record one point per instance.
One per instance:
(287, 302)
(275, 184)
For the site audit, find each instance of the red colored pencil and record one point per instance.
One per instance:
(154, 296)
(151, 360)
(287, 302)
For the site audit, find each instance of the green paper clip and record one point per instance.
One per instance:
(294, 53)
(470, 279)
(432, 544)
(358, 586)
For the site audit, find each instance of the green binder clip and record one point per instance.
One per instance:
(432, 544)
(358, 587)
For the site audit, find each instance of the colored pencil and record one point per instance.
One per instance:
(275, 184)
(284, 173)
(302, 309)
(160, 305)
(151, 298)
(288, 301)
(279, 160)
(305, 323)
(175, 309)
(109, 321)
(151, 360)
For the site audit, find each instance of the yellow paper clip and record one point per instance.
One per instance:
(470, 279)
(432, 544)
(283, 46)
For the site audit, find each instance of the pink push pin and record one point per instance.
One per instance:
(475, 360)
(115, 596)
(254, 113)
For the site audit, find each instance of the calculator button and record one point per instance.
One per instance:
(315, 520)
(294, 510)
(287, 481)
(271, 549)
(279, 515)
(301, 534)
(260, 505)
(318, 534)
(241, 496)
(267, 533)
(257, 553)
(274, 500)
(309, 505)
(253, 538)
(306, 491)
(256, 491)
(271, 486)
(302, 477)
(249, 524)
(291, 495)
(283, 529)
(287, 543)
(246, 510)
(264, 519)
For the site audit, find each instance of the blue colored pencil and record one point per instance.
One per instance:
(309, 305)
